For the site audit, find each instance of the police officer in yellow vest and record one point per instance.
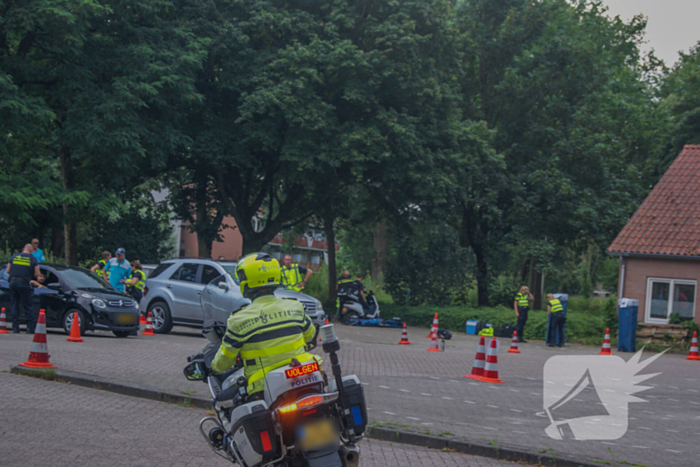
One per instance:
(555, 310)
(522, 306)
(136, 282)
(269, 332)
(292, 274)
(99, 268)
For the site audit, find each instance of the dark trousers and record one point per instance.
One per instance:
(21, 299)
(522, 320)
(557, 328)
(136, 294)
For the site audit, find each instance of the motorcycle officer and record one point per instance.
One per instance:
(269, 332)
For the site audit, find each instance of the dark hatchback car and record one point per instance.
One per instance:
(69, 289)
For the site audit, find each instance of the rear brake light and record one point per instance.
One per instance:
(308, 402)
(265, 439)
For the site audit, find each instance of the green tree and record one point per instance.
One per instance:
(100, 77)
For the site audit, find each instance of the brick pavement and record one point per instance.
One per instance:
(424, 391)
(51, 423)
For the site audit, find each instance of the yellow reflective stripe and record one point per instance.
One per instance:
(272, 351)
(227, 353)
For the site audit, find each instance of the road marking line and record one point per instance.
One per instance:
(426, 423)
(516, 410)
(541, 415)
(385, 387)
(673, 450)
(494, 387)
(493, 406)
(487, 428)
(447, 398)
(693, 390)
(404, 390)
(469, 402)
(413, 418)
(433, 377)
(516, 423)
(694, 403)
(535, 394)
(389, 413)
(365, 384)
(611, 444)
(644, 428)
(579, 400)
(424, 394)
(640, 447)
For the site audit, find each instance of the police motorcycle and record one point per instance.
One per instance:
(303, 417)
(350, 307)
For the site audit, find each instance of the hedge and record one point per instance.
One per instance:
(581, 327)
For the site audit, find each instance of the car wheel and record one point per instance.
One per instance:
(68, 321)
(122, 333)
(161, 320)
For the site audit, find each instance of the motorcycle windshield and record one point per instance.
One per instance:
(219, 299)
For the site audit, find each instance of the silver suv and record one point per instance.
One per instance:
(173, 293)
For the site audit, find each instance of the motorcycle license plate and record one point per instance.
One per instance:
(126, 318)
(317, 434)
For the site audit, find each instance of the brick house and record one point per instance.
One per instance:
(659, 248)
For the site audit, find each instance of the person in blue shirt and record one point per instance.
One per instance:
(119, 270)
(37, 253)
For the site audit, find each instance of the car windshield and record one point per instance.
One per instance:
(84, 279)
(231, 270)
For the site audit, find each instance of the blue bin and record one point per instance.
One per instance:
(554, 340)
(471, 327)
(627, 310)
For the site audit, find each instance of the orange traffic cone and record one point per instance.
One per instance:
(479, 361)
(404, 336)
(3, 323)
(149, 327)
(491, 367)
(319, 335)
(606, 344)
(75, 329)
(39, 353)
(434, 327)
(142, 319)
(434, 344)
(514, 344)
(693, 355)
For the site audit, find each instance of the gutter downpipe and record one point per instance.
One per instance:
(622, 278)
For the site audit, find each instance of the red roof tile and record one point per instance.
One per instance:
(668, 221)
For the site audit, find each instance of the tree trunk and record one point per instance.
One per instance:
(380, 243)
(56, 242)
(482, 275)
(203, 246)
(328, 222)
(70, 228)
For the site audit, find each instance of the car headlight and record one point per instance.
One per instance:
(97, 303)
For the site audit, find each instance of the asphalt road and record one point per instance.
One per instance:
(410, 388)
(51, 423)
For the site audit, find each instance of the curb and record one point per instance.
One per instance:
(120, 387)
(382, 434)
(475, 449)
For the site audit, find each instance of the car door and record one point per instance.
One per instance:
(186, 291)
(51, 297)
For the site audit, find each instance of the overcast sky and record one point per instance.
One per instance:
(672, 24)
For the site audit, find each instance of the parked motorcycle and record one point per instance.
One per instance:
(350, 305)
(303, 417)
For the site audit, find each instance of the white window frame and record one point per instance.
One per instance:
(672, 285)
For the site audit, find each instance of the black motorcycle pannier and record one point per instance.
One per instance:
(260, 430)
(354, 400)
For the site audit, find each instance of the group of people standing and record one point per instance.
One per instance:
(555, 310)
(121, 274)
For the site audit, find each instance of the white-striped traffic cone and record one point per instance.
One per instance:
(3, 322)
(491, 367)
(693, 355)
(479, 361)
(149, 327)
(606, 344)
(434, 344)
(514, 343)
(39, 353)
(434, 327)
(404, 336)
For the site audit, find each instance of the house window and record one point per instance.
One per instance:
(667, 296)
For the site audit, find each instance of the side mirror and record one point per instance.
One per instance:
(55, 286)
(195, 371)
(223, 285)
